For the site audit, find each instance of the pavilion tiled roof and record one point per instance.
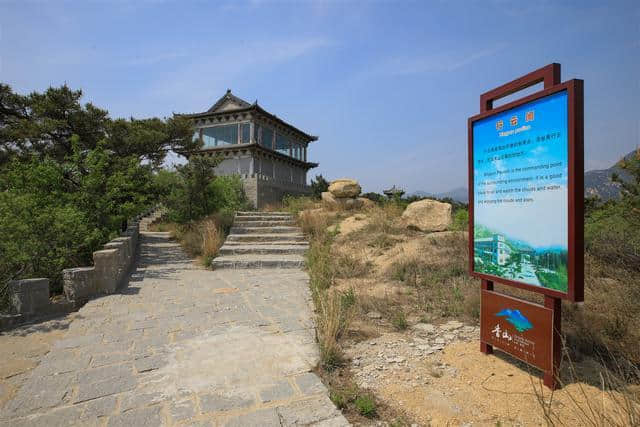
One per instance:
(244, 106)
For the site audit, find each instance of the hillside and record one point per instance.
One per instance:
(598, 182)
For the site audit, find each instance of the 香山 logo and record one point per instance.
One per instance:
(516, 318)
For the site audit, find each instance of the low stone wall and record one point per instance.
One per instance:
(262, 191)
(29, 298)
(111, 266)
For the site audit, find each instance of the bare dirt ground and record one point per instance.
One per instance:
(454, 383)
(416, 348)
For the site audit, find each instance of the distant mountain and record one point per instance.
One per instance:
(598, 182)
(458, 194)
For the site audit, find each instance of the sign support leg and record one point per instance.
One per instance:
(485, 348)
(554, 304)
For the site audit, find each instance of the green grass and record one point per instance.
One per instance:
(366, 406)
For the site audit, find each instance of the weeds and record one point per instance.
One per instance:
(366, 405)
(348, 266)
(200, 238)
(399, 320)
(334, 315)
(295, 205)
(618, 404)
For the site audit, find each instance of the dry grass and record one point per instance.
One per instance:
(212, 239)
(426, 277)
(334, 314)
(385, 219)
(618, 405)
(201, 239)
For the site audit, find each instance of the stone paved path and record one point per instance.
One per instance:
(182, 345)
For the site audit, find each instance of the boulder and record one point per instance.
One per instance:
(329, 200)
(427, 215)
(366, 203)
(350, 203)
(344, 188)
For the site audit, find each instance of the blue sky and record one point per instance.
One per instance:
(387, 85)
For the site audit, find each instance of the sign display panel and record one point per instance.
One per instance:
(520, 193)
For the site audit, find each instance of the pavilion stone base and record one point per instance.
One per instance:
(263, 191)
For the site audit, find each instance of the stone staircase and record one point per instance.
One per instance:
(262, 240)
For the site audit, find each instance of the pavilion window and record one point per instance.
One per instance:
(197, 135)
(219, 136)
(282, 144)
(245, 133)
(267, 137)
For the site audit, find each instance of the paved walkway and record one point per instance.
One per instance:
(182, 345)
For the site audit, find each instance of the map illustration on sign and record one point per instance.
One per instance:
(516, 318)
(520, 172)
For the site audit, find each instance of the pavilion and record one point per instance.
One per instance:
(268, 154)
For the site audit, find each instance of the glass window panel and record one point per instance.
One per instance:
(220, 135)
(245, 133)
(282, 144)
(267, 137)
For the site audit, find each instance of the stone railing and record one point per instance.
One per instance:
(29, 298)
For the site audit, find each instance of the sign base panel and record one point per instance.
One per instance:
(519, 328)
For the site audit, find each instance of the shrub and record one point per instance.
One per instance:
(332, 322)
(460, 220)
(349, 266)
(338, 399)
(318, 186)
(612, 233)
(296, 204)
(366, 406)
(399, 320)
(212, 240)
(227, 194)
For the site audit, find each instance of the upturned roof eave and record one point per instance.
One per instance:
(253, 145)
(254, 107)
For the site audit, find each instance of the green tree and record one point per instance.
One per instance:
(45, 123)
(192, 196)
(319, 186)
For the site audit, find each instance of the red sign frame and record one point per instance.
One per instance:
(575, 186)
(552, 309)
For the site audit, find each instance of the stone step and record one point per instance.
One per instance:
(249, 214)
(257, 261)
(263, 218)
(264, 230)
(266, 237)
(263, 243)
(278, 223)
(262, 249)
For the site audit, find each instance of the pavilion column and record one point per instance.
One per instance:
(252, 138)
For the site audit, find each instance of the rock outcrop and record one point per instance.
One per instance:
(345, 188)
(427, 215)
(343, 194)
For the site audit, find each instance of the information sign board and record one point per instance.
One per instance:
(524, 201)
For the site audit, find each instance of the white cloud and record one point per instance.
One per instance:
(440, 62)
